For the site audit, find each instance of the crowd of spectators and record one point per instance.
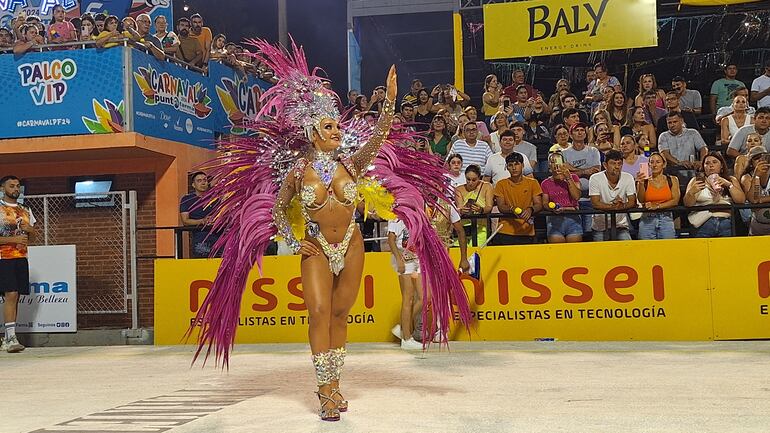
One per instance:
(192, 43)
(605, 150)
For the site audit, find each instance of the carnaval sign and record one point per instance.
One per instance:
(545, 27)
(165, 88)
(567, 292)
(239, 98)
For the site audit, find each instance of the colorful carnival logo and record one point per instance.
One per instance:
(108, 117)
(241, 103)
(166, 89)
(47, 80)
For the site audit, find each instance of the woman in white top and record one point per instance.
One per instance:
(455, 163)
(740, 117)
(713, 186)
(499, 124)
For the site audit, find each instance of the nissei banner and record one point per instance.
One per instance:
(62, 93)
(51, 305)
(546, 27)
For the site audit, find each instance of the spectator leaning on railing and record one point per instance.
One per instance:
(168, 39)
(562, 189)
(756, 185)
(713, 186)
(29, 39)
(100, 20)
(519, 195)
(189, 49)
(110, 37)
(656, 190)
(60, 30)
(144, 39)
(203, 35)
(88, 30)
(612, 190)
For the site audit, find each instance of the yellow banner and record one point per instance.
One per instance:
(740, 282)
(642, 290)
(546, 27)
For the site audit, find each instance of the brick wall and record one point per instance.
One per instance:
(97, 234)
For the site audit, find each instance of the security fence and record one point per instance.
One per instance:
(100, 226)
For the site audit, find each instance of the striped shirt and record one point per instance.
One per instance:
(477, 154)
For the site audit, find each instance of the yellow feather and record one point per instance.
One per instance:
(376, 198)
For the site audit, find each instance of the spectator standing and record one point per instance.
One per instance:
(472, 150)
(672, 104)
(519, 195)
(761, 126)
(407, 265)
(453, 100)
(88, 31)
(202, 239)
(722, 89)
(28, 41)
(583, 161)
(16, 227)
(128, 24)
(110, 37)
(496, 168)
(476, 197)
(595, 92)
(612, 190)
(424, 112)
(203, 35)
(518, 78)
(690, 100)
(168, 39)
(60, 30)
(189, 49)
(490, 100)
(712, 186)
(760, 88)
(730, 124)
(682, 147)
(100, 21)
(656, 190)
(143, 38)
(562, 189)
(6, 38)
(756, 185)
(411, 97)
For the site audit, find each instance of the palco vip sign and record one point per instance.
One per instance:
(546, 27)
(51, 305)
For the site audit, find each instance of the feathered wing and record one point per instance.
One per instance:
(417, 180)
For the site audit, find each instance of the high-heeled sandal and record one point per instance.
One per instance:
(342, 404)
(328, 414)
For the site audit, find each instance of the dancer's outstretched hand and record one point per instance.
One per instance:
(392, 84)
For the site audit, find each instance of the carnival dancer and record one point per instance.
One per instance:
(300, 179)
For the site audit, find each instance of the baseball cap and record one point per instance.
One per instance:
(757, 150)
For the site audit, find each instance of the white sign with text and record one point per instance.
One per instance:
(51, 305)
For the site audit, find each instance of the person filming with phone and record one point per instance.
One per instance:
(656, 190)
(476, 197)
(713, 186)
(561, 192)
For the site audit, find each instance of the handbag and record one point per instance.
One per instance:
(698, 218)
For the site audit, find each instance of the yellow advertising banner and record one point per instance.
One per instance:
(740, 281)
(546, 27)
(684, 289)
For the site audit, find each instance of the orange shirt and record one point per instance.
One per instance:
(11, 217)
(203, 38)
(519, 195)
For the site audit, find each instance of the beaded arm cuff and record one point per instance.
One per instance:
(364, 157)
(285, 195)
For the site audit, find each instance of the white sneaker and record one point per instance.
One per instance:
(411, 344)
(12, 345)
(396, 330)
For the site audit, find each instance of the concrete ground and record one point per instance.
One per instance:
(477, 387)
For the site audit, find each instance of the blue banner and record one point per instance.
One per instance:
(124, 8)
(62, 93)
(237, 97)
